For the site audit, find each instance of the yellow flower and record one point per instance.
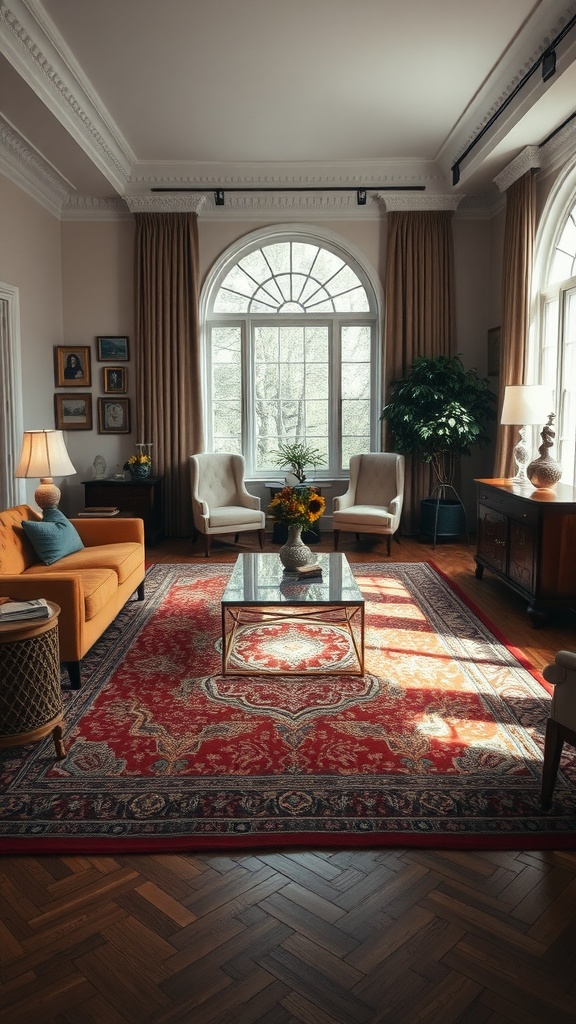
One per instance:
(137, 460)
(296, 506)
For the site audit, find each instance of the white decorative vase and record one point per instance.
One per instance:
(294, 552)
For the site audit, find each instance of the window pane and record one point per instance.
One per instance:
(353, 446)
(226, 344)
(226, 381)
(228, 302)
(355, 380)
(226, 419)
(356, 418)
(292, 344)
(278, 257)
(303, 256)
(356, 344)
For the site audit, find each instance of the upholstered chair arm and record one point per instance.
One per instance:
(247, 499)
(563, 670)
(343, 501)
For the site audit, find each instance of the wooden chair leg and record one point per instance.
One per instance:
(389, 543)
(73, 670)
(261, 539)
(236, 535)
(336, 536)
(207, 544)
(553, 744)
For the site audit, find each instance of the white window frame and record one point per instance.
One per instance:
(353, 258)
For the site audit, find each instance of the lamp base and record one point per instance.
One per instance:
(544, 473)
(47, 495)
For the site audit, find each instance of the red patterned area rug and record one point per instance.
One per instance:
(439, 744)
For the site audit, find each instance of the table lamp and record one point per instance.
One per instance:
(44, 455)
(524, 405)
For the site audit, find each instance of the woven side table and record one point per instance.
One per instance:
(30, 693)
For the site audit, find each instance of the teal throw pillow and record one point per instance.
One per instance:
(52, 537)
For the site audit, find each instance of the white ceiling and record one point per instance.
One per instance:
(107, 100)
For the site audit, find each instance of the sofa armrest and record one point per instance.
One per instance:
(109, 531)
(63, 588)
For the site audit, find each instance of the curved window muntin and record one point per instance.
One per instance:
(343, 255)
(552, 344)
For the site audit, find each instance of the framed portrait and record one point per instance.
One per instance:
(113, 415)
(493, 352)
(115, 382)
(73, 412)
(113, 349)
(72, 366)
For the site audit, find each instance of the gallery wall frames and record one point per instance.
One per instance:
(115, 380)
(113, 349)
(72, 366)
(73, 412)
(114, 415)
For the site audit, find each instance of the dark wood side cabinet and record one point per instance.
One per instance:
(143, 498)
(528, 539)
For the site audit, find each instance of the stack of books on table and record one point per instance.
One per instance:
(99, 511)
(15, 611)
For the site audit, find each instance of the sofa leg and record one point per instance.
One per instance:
(73, 670)
(140, 591)
(261, 539)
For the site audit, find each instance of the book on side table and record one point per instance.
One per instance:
(308, 572)
(99, 511)
(14, 611)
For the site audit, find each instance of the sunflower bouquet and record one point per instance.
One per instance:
(296, 506)
(135, 461)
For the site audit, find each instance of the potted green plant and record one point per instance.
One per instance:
(298, 455)
(437, 413)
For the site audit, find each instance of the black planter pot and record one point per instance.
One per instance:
(445, 517)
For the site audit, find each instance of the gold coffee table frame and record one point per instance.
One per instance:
(260, 590)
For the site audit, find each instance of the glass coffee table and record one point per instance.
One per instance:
(262, 594)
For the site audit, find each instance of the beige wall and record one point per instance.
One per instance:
(30, 260)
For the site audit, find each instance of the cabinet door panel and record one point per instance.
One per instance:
(522, 557)
(492, 537)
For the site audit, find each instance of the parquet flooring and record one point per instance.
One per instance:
(405, 936)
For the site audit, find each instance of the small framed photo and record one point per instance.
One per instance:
(72, 366)
(113, 415)
(73, 412)
(115, 380)
(493, 352)
(113, 349)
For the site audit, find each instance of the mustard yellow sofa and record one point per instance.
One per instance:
(90, 586)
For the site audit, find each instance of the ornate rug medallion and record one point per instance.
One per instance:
(439, 744)
(283, 646)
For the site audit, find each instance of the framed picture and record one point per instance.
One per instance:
(113, 415)
(73, 412)
(493, 352)
(113, 350)
(115, 380)
(72, 366)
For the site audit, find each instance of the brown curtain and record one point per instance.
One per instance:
(169, 399)
(419, 315)
(516, 284)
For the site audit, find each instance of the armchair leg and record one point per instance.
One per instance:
(207, 544)
(236, 535)
(261, 539)
(389, 543)
(336, 536)
(553, 744)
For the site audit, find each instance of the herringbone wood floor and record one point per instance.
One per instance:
(342, 937)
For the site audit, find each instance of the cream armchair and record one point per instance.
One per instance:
(220, 502)
(373, 501)
(561, 725)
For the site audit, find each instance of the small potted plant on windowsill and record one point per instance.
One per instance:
(298, 455)
(437, 413)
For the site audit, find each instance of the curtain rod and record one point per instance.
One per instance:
(361, 193)
(547, 61)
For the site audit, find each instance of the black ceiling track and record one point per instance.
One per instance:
(547, 61)
(361, 193)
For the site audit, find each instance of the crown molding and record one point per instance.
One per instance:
(34, 48)
(24, 166)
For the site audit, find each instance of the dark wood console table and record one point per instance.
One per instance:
(141, 498)
(528, 539)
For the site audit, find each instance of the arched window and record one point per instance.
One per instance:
(556, 344)
(291, 351)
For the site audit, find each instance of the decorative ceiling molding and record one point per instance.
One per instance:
(528, 63)
(402, 201)
(174, 202)
(68, 99)
(26, 168)
(529, 159)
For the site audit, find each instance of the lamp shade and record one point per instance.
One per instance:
(44, 455)
(525, 404)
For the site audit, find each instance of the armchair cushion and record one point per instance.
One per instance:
(52, 537)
